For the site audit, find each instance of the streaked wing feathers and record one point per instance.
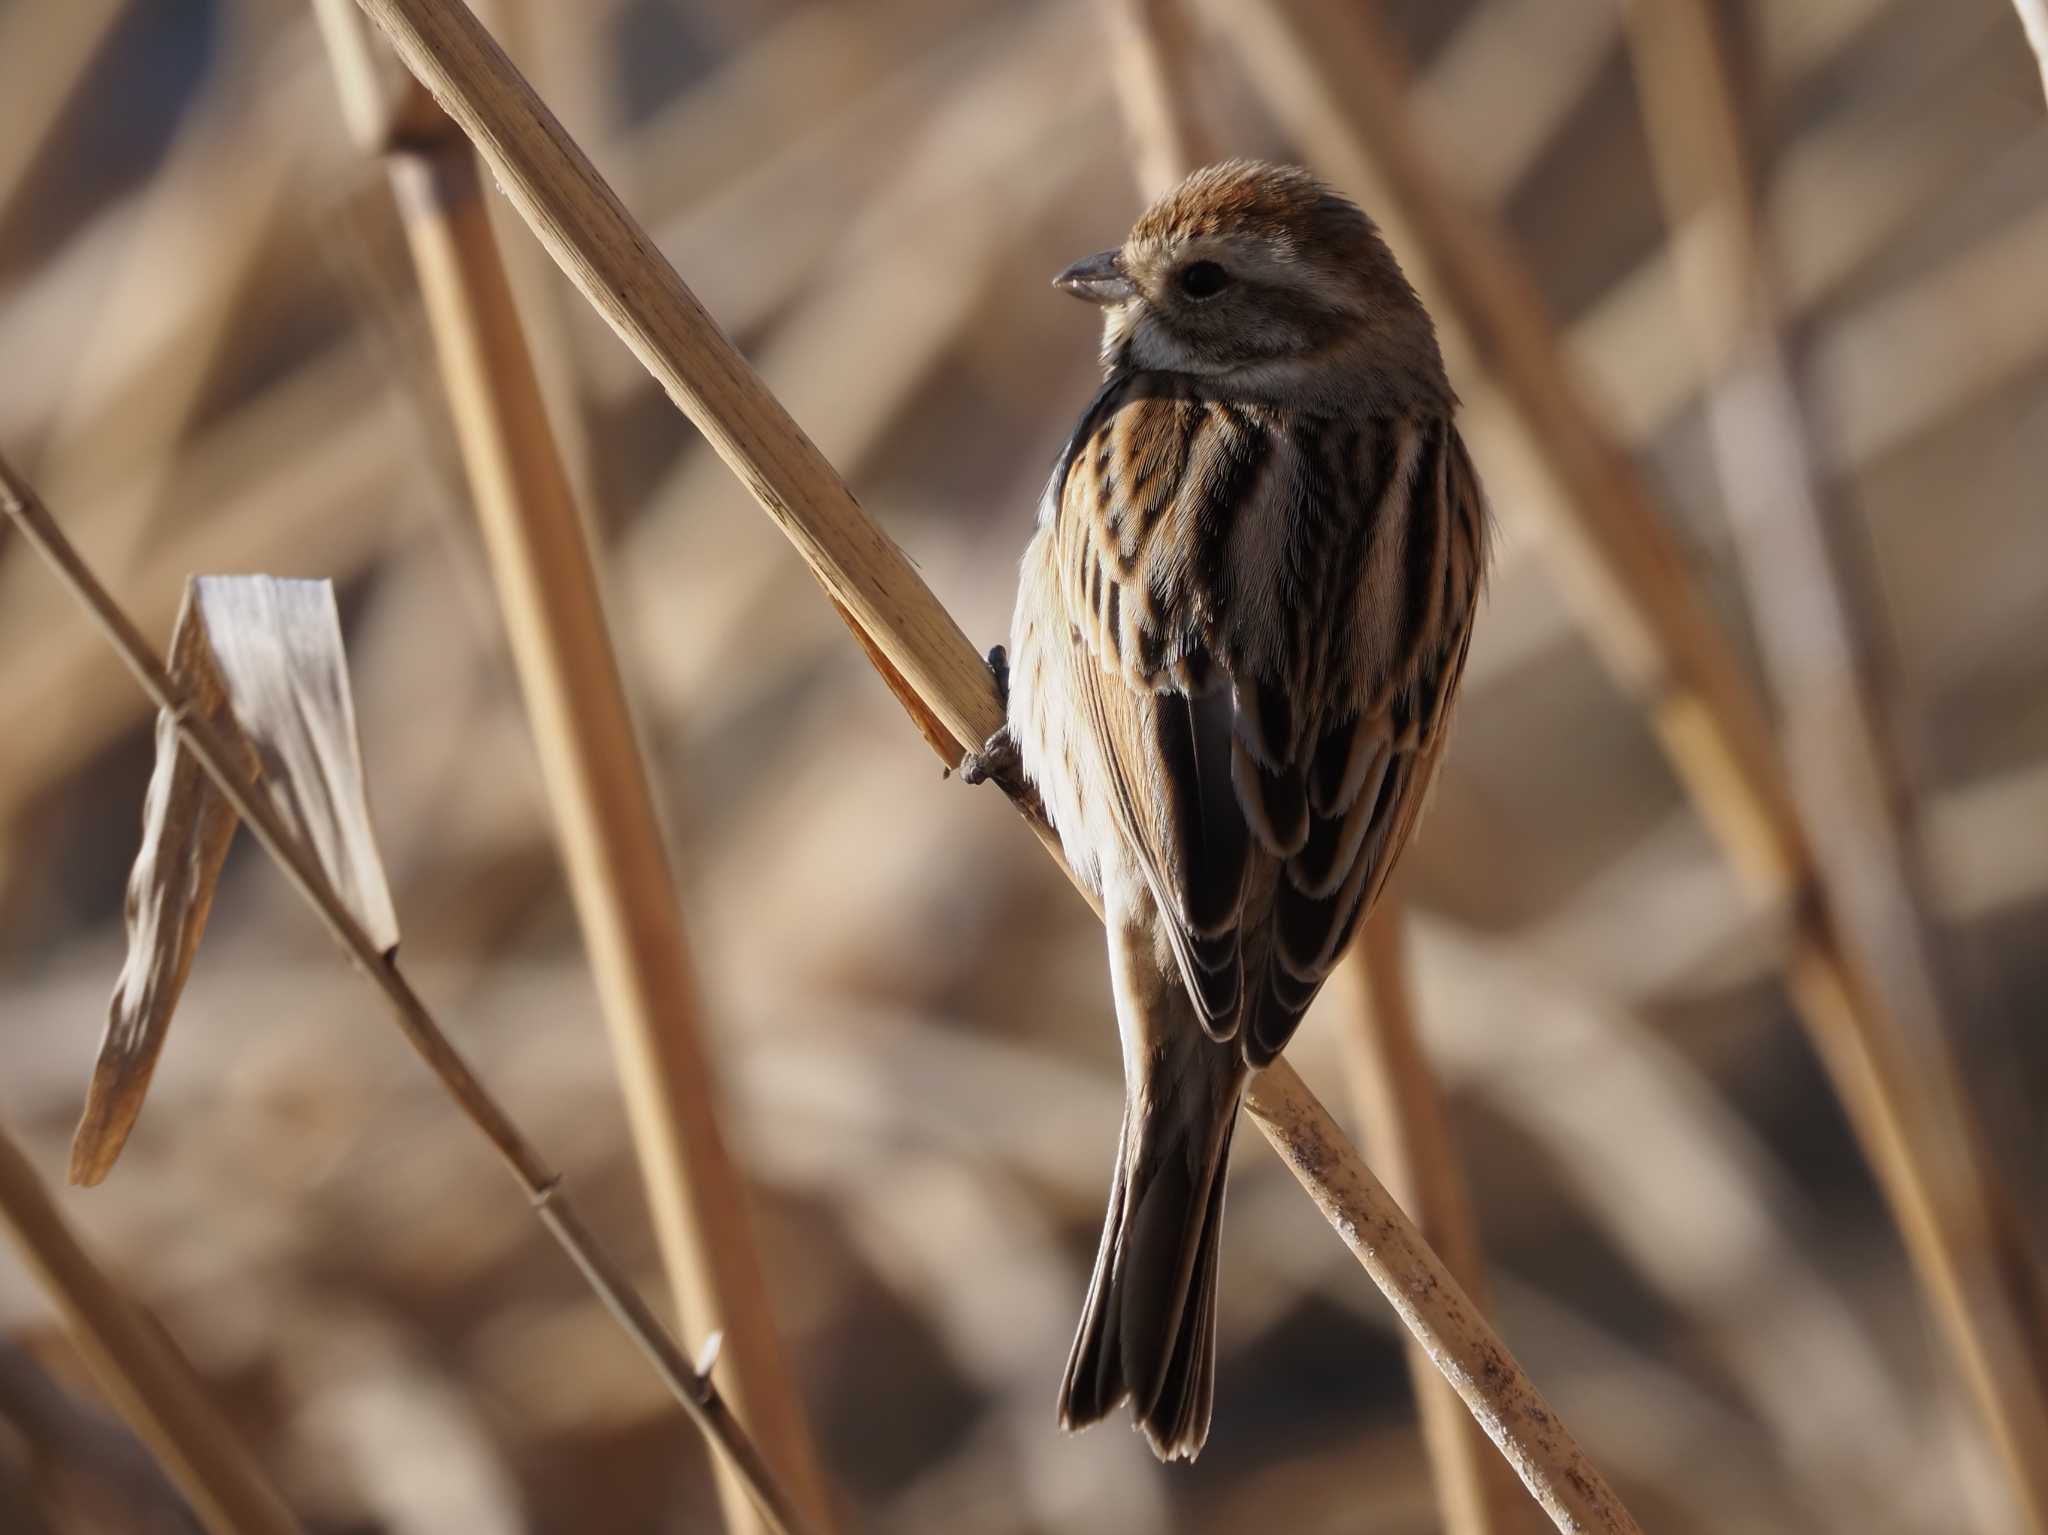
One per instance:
(1279, 611)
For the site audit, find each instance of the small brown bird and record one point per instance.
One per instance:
(1238, 635)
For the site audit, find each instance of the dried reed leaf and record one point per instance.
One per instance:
(261, 660)
(186, 829)
(278, 645)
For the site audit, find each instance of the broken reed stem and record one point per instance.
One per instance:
(1407, 1137)
(1330, 72)
(611, 259)
(139, 1368)
(692, 1387)
(604, 807)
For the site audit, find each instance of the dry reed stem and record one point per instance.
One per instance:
(308, 455)
(1399, 1102)
(1153, 53)
(144, 1376)
(608, 256)
(1325, 63)
(607, 824)
(1407, 1137)
(1849, 786)
(693, 1388)
(1443, 1321)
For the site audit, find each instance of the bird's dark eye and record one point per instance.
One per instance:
(1203, 279)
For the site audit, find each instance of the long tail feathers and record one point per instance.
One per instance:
(1148, 1329)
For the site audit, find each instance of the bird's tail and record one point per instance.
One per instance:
(1148, 1329)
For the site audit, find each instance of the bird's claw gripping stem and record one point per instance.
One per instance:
(998, 761)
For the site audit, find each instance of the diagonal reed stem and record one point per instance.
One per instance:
(693, 1388)
(613, 262)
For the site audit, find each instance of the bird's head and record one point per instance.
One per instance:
(1266, 281)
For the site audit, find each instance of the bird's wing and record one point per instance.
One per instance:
(1156, 704)
(1371, 758)
(1255, 697)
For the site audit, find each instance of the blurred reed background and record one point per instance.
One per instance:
(213, 358)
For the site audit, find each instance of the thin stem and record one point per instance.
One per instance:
(1407, 1135)
(697, 1392)
(1444, 1322)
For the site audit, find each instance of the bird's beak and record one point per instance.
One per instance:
(1099, 279)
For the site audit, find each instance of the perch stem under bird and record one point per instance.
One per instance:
(922, 653)
(694, 1390)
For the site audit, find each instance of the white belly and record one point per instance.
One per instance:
(1060, 755)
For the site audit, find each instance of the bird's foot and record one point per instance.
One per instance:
(997, 762)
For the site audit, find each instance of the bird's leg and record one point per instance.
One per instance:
(998, 761)
(999, 668)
